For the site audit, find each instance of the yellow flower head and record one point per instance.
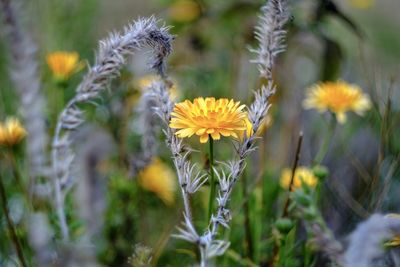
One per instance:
(301, 175)
(337, 97)
(265, 124)
(11, 132)
(395, 241)
(208, 117)
(158, 178)
(63, 64)
(362, 4)
(184, 11)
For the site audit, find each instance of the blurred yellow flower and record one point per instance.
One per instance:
(208, 117)
(11, 132)
(63, 64)
(265, 124)
(362, 4)
(184, 11)
(337, 97)
(395, 241)
(146, 81)
(302, 174)
(158, 178)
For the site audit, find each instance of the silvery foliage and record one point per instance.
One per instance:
(95, 147)
(325, 241)
(110, 58)
(270, 35)
(25, 76)
(366, 242)
(148, 130)
(189, 177)
(40, 238)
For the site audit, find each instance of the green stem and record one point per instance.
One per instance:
(212, 180)
(17, 174)
(11, 228)
(247, 223)
(325, 145)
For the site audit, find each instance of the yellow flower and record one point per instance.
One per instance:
(337, 97)
(146, 81)
(63, 64)
(158, 178)
(184, 11)
(11, 132)
(265, 124)
(395, 241)
(208, 117)
(302, 174)
(362, 4)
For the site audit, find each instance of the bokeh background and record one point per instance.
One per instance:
(353, 40)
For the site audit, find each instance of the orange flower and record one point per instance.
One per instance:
(63, 64)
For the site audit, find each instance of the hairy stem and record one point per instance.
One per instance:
(10, 225)
(247, 223)
(186, 204)
(212, 180)
(58, 195)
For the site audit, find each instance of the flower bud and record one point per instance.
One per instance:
(321, 172)
(284, 225)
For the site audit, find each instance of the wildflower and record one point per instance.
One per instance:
(158, 178)
(395, 241)
(266, 123)
(146, 81)
(362, 4)
(208, 117)
(337, 97)
(184, 11)
(301, 175)
(63, 64)
(11, 132)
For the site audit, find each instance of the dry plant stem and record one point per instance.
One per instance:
(186, 204)
(10, 225)
(110, 59)
(270, 35)
(247, 223)
(294, 167)
(25, 76)
(180, 153)
(287, 201)
(212, 179)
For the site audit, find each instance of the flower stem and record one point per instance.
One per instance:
(212, 181)
(15, 171)
(11, 228)
(294, 167)
(247, 222)
(325, 145)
